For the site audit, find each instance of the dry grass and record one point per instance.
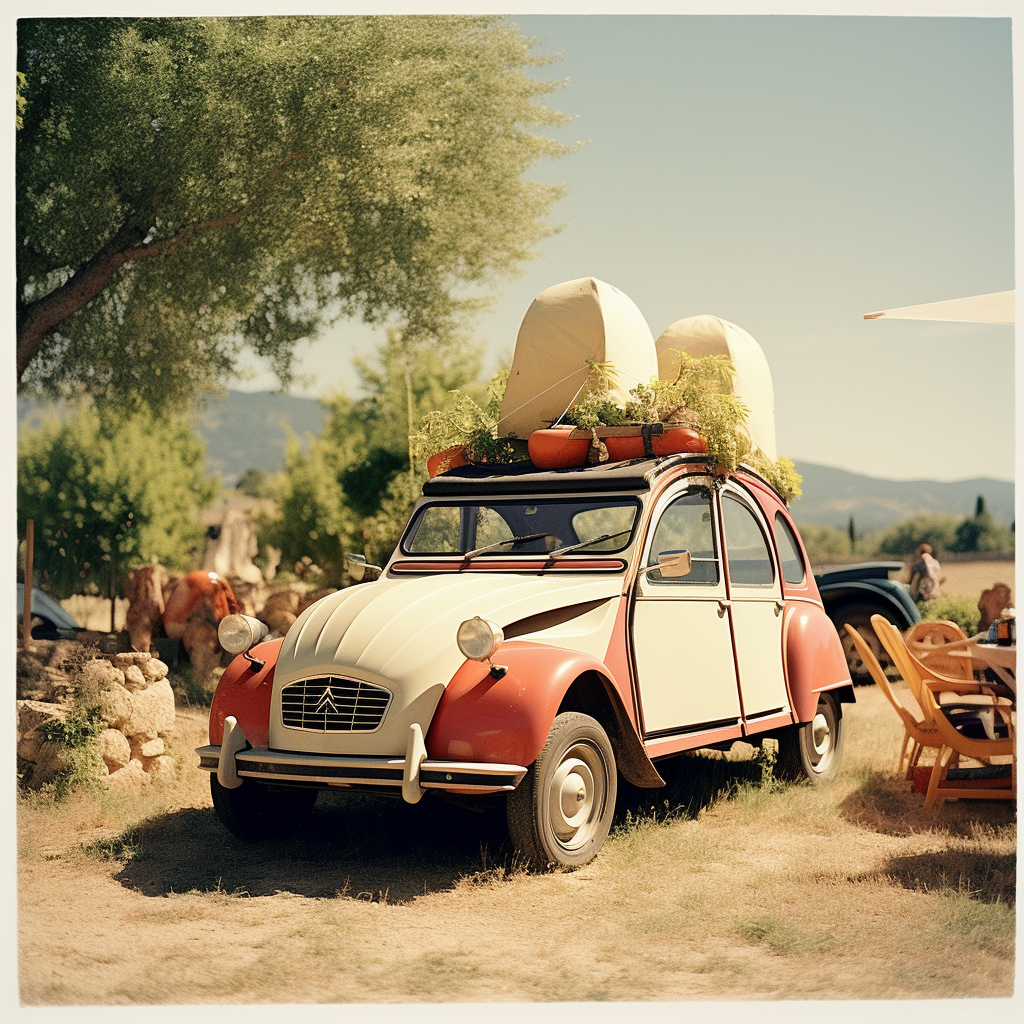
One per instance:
(714, 888)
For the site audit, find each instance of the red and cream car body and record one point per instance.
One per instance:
(587, 659)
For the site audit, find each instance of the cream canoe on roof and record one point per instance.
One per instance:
(711, 335)
(565, 328)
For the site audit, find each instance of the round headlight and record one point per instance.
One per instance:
(478, 639)
(237, 633)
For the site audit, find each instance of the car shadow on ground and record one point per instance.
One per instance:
(372, 847)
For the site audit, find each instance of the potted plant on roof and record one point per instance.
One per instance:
(465, 432)
(694, 411)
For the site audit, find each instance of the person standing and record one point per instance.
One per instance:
(924, 575)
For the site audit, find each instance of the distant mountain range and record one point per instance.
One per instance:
(832, 495)
(248, 431)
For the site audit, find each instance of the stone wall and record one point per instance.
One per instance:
(136, 705)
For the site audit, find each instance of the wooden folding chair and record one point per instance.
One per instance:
(917, 735)
(957, 697)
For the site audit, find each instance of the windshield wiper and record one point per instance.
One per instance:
(498, 545)
(586, 543)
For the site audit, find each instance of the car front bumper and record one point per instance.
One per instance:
(234, 760)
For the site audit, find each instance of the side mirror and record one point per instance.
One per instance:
(671, 564)
(359, 569)
(674, 563)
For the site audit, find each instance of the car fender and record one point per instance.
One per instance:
(507, 719)
(893, 601)
(244, 691)
(814, 659)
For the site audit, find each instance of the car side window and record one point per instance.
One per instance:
(687, 524)
(746, 547)
(793, 570)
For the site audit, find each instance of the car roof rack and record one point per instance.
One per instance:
(517, 477)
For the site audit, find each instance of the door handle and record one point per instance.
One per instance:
(722, 605)
(780, 607)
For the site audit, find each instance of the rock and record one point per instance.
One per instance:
(144, 589)
(162, 770)
(115, 749)
(134, 680)
(128, 779)
(51, 758)
(151, 748)
(153, 711)
(203, 647)
(992, 603)
(32, 716)
(117, 705)
(127, 658)
(153, 670)
(99, 674)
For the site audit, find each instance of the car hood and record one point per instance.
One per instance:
(404, 629)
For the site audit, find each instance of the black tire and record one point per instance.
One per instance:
(576, 769)
(814, 750)
(859, 616)
(252, 811)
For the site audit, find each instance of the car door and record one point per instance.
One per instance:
(681, 633)
(755, 593)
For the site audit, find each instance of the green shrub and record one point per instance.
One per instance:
(824, 543)
(904, 537)
(957, 609)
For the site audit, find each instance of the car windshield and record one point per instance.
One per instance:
(519, 526)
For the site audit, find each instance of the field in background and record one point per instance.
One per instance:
(717, 887)
(971, 578)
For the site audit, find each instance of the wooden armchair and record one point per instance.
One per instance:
(923, 637)
(1000, 783)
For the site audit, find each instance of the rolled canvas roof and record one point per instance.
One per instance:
(711, 335)
(566, 326)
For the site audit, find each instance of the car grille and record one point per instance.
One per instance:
(333, 704)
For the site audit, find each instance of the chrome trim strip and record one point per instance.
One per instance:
(261, 763)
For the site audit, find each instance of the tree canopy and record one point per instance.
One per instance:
(187, 187)
(353, 490)
(109, 490)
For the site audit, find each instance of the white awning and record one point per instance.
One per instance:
(994, 308)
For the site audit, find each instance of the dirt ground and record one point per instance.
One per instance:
(715, 888)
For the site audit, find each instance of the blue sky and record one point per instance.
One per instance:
(790, 174)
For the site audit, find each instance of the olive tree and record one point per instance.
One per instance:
(190, 186)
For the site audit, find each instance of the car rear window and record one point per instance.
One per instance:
(793, 570)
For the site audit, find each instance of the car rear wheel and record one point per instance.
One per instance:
(814, 750)
(252, 811)
(859, 616)
(562, 810)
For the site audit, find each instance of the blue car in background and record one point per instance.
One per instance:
(48, 617)
(852, 594)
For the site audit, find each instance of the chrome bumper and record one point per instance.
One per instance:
(235, 760)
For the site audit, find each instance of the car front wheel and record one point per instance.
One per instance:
(252, 811)
(562, 810)
(814, 750)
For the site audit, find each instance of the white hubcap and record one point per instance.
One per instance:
(571, 800)
(821, 735)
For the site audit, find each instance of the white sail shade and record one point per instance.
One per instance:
(992, 308)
